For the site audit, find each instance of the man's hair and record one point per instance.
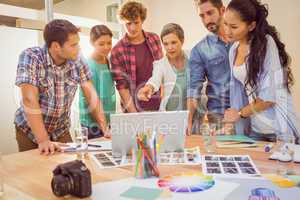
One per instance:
(131, 10)
(58, 30)
(216, 3)
(98, 31)
(172, 28)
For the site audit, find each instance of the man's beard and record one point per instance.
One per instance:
(212, 27)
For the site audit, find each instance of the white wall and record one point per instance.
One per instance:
(12, 42)
(84, 8)
(182, 12)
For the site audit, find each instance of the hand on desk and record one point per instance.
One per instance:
(107, 134)
(48, 147)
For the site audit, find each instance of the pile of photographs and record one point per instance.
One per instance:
(190, 156)
(105, 159)
(229, 165)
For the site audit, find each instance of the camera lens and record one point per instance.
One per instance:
(61, 185)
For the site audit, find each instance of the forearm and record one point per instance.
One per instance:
(36, 123)
(156, 79)
(34, 115)
(127, 100)
(192, 106)
(194, 89)
(37, 126)
(94, 104)
(254, 107)
(98, 114)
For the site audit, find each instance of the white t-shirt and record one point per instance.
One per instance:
(259, 122)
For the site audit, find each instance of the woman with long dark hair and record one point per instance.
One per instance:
(260, 91)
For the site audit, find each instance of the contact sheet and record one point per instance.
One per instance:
(229, 165)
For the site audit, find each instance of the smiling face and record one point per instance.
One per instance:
(172, 45)
(211, 16)
(103, 45)
(235, 28)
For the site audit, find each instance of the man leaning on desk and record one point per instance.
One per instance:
(48, 78)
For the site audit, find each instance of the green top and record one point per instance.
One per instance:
(178, 98)
(103, 83)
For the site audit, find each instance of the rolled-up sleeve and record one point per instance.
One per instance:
(157, 76)
(271, 83)
(118, 71)
(84, 72)
(196, 73)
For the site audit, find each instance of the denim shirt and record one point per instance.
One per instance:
(209, 61)
(271, 88)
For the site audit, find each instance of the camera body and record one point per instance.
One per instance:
(72, 178)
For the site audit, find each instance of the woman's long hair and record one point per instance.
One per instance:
(250, 11)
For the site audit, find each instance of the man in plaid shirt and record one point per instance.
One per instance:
(132, 58)
(48, 78)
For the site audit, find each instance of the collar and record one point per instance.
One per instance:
(215, 38)
(185, 55)
(50, 62)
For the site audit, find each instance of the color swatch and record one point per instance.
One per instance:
(187, 182)
(284, 181)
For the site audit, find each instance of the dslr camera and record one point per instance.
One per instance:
(72, 178)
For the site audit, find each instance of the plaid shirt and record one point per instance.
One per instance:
(123, 61)
(57, 86)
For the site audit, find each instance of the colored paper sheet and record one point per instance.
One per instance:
(142, 193)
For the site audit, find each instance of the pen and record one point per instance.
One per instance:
(94, 145)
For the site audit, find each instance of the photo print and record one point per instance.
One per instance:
(229, 165)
